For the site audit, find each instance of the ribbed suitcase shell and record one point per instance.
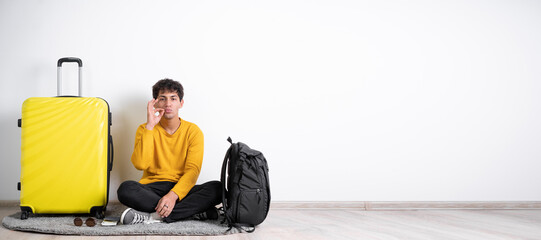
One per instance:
(64, 154)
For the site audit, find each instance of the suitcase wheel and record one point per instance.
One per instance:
(24, 215)
(25, 212)
(99, 215)
(98, 212)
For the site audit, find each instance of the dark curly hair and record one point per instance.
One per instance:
(169, 85)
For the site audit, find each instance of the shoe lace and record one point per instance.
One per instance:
(200, 216)
(139, 218)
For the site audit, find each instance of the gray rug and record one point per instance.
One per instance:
(63, 224)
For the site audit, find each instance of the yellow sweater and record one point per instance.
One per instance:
(165, 157)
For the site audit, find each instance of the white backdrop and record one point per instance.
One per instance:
(348, 100)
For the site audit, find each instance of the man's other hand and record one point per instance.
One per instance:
(166, 204)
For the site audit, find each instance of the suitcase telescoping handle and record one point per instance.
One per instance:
(59, 74)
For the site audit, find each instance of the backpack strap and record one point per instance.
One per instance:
(223, 180)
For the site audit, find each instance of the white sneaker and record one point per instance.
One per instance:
(132, 216)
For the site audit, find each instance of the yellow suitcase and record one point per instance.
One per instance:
(66, 153)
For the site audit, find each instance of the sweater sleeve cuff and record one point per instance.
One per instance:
(180, 194)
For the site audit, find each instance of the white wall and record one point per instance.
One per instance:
(348, 100)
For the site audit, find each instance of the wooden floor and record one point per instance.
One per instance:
(360, 224)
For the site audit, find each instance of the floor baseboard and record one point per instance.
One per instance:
(380, 205)
(409, 205)
(9, 203)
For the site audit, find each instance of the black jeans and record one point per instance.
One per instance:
(145, 197)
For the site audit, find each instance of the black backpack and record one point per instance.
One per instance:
(246, 192)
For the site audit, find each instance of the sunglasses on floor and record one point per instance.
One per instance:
(89, 222)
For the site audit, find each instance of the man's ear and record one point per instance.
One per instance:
(181, 103)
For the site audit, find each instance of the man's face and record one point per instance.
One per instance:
(170, 103)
